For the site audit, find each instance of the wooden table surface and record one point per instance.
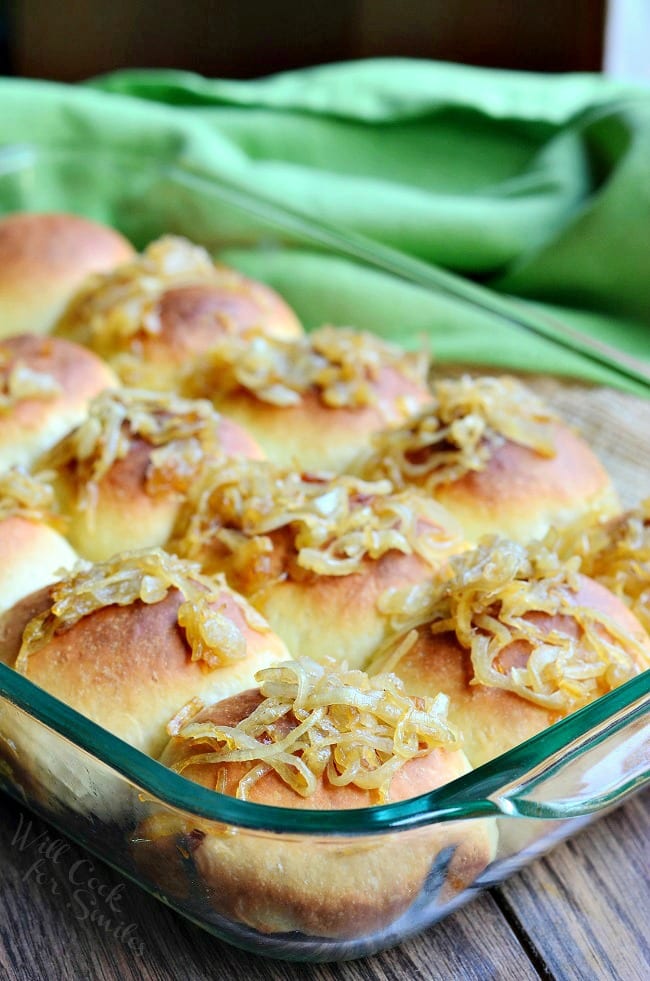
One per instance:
(581, 912)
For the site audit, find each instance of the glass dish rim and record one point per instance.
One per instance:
(467, 797)
(464, 798)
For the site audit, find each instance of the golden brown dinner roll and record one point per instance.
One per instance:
(43, 259)
(32, 549)
(616, 553)
(121, 476)
(322, 738)
(314, 402)
(495, 456)
(516, 638)
(169, 304)
(45, 386)
(128, 641)
(314, 553)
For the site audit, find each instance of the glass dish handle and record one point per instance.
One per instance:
(594, 772)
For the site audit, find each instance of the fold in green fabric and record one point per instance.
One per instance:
(537, 188)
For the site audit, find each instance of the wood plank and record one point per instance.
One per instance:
(549, 36)
(50, 931)
(257, 37)
(585, 907)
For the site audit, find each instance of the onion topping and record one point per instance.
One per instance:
(616, 553)
(487, 602)
(469, 420)
(145, 576)
(321, 721)
(343, 366)
(336, 522)
(22, 382)
(27, 496)
(113, 307)
(182, 433)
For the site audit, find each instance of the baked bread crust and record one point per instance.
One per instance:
(44, 258)
(495, 455)
(334, 546)
(168, 307)
(32, 554)
(129, 668)
(34, 422)
(312, 435)
(521, 493)
(337, 888)
(492, 720)
(133, 505)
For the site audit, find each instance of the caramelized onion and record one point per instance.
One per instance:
(486, 601)
(146, 576)
(340, 364)
(336, 521)
(113, 307)
(470, 418)
(27, 496)
(23, 382)
(182, 433)
(348, 727)
(616, 553)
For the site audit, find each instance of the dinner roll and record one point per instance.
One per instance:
(127, 642)
(32, 549)
(495, 456)
(616, 553)
(516, 638)
(45, 386)
(121, 476)
(314, 552)
(314, 402)
(148, 317)
(43, 259)
(297, 742)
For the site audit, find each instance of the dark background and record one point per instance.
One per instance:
(73, 39)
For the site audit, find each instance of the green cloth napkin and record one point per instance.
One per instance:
(532, 187)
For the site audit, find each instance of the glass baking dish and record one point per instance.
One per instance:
(382, 873)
